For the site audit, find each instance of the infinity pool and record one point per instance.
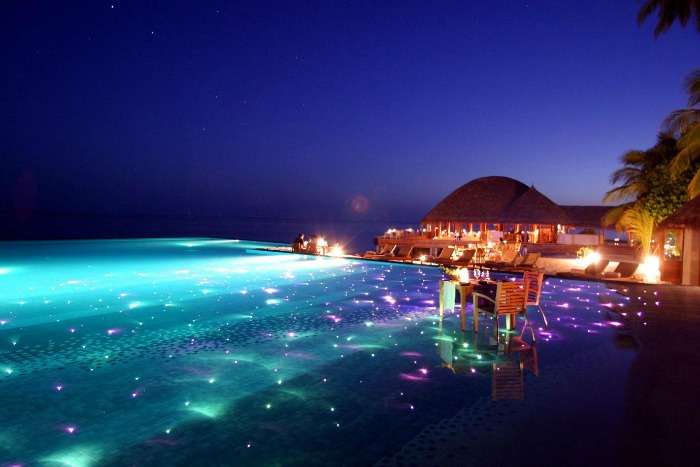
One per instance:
(213, 352)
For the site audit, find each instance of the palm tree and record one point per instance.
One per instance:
(634, 182)
(670, 11)
(681, 120)
(638, 166)
(640, 224)
(686, 124)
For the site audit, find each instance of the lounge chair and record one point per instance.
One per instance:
(530, 261)
(403, 254)
(386, 252)
(445, 255)
(592, 271)
(623, 270)
(464, 260)
(513, 262)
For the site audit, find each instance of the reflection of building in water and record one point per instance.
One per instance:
(507, 360)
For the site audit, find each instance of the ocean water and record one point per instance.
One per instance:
(196, 351)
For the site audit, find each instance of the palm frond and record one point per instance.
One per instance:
(694, 186)
(624, 192)
(633, 157)
(625, 174)
(692, 82)
(669, 11)
(685, 157)
(640, 224)
(612, 217)
(679, 121)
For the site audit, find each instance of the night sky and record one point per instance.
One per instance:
(295, 109)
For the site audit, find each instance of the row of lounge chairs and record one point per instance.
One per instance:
(445, 258)
(623, 270)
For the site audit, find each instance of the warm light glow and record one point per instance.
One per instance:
(336, 250)
(591, 257)
(422, 258)
(650, 269)
(463, 275)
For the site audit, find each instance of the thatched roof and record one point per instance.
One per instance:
(503, 200)
(591, 216)
(481, 200)
(532, 207)
(687, 216)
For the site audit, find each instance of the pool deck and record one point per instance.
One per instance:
(549, 272)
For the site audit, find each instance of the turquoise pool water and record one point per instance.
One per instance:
(212, 352)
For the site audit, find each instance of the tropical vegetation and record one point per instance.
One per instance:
(656, 182)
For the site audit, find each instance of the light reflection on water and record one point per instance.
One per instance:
(177, 349)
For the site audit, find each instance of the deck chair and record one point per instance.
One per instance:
(403, 254)
(509, 301)
(592, 270)
(445, 255)
(530, 261)
(387, 251)
(623, 269)
(511, 261)
(532, 286)
(465, 259)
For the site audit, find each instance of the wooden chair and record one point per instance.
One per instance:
(509, 302)
(532, 286)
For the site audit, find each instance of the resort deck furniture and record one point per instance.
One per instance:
(464, 260)
(512, 263)
(386, 252)
(532, 286)
(530, 261)
(623, 269)
(593, 270)
(445, 255)
(509, 302)
(403, 254)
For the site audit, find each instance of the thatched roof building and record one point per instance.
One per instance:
(679, 238)
(503, 200)
(686, 216)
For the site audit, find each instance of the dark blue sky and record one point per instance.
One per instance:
(287, 108)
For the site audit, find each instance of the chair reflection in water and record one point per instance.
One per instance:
(511, 355)
(507, 360)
